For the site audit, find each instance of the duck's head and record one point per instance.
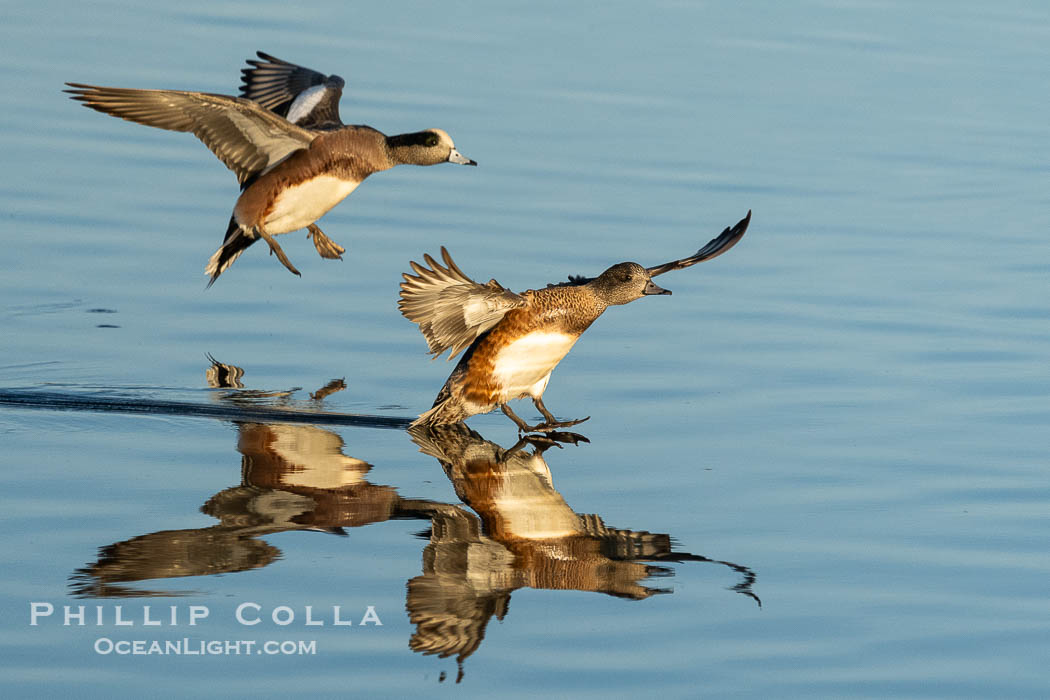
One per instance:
(428, 147)
(625, 282)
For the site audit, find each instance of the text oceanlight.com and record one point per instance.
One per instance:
(204, 647)
(140, 619)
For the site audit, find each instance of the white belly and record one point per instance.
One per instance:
(524, 367)
(301, 205)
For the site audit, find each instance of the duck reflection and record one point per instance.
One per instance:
(512, 528)
(293, 477)
(527, 537)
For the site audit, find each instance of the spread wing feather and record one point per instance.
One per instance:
(715, 247)
(247, 138)
(451, 309)
(302, 95)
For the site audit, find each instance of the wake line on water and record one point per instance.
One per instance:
(57, 401)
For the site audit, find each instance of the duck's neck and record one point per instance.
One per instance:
(576, 307)
(407, 149)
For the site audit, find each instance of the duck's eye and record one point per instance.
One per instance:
(432, 140)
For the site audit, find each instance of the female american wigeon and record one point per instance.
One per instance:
(292, 155)
(514, 341)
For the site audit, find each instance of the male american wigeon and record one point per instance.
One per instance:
(293, 156)
(514, 341)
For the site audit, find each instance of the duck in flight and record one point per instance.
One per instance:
(514, 341)
(283, 138)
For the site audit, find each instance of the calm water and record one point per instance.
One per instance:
(844, 418)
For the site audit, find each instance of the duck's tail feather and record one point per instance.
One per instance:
(447, 409)
(235, 243)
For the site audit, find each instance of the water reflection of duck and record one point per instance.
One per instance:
(293, 477)
(519, 531)
(527, 537)
(514, 341)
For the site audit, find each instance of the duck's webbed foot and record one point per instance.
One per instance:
(553, 423)
(275, 249)
(326, 247)
(550, 422)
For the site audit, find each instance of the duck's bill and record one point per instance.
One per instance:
(651, 288)
(457, 157)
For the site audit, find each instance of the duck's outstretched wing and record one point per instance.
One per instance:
(247, 138)
(451, 309)
(715, 247)
(301, 95)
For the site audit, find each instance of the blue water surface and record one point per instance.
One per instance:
(818, 469)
